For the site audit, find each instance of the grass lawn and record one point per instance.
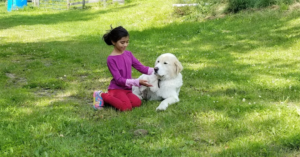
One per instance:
(240, 95)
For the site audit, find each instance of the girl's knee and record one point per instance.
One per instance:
(136, 103)
(128, 107)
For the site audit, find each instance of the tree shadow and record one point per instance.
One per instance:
(54, 18)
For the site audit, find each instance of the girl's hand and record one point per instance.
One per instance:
(145, 83)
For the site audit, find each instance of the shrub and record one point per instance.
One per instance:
(207, 8)
(292, 142)
(182, 11)
(237, 5)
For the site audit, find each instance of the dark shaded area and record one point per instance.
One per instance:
(60, 17)
(239, 5)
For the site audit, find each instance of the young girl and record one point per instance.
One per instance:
(119, 63)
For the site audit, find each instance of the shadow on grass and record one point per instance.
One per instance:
(217, 76)
(54, 18)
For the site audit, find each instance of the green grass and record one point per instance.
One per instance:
(240, 95)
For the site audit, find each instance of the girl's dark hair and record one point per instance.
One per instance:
(115, 35)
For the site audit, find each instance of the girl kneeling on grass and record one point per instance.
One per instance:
(119, 63)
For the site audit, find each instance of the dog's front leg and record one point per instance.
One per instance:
(153, 80)
(166, 102)
(154, 87)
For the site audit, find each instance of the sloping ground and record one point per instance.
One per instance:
(240, 95)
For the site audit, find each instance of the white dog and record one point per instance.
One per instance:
(166, 81)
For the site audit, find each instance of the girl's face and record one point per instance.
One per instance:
(121, 44)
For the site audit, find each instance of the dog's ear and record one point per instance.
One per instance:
(178, 66)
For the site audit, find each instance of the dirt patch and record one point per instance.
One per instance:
(15, 80)
(45, 93)
(295, 6)
(10, 75)
(140, 132)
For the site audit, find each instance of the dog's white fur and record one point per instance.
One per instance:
(166, 80)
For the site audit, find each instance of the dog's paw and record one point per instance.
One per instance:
(162, 107)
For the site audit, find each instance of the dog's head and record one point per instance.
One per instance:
(167, 66)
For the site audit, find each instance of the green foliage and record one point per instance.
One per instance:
(292, 142)
(237, 5)
(207, 8)
(183, 11)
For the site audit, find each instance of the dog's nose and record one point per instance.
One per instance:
(155, 69)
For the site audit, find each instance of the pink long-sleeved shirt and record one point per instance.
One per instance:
(120, 68)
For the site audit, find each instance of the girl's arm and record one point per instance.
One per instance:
(122, 81)
(140, 67)
(137, 82)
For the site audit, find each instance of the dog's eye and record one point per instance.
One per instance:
(157, 61)
(165, 63)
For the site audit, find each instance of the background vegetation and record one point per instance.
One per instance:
(213, 8)
(240, 95)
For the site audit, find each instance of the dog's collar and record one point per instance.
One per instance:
(158, 83)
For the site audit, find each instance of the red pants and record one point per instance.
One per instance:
(121, 99)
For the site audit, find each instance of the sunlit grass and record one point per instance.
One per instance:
(240, 95)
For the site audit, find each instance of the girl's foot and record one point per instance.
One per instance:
(98, 101)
